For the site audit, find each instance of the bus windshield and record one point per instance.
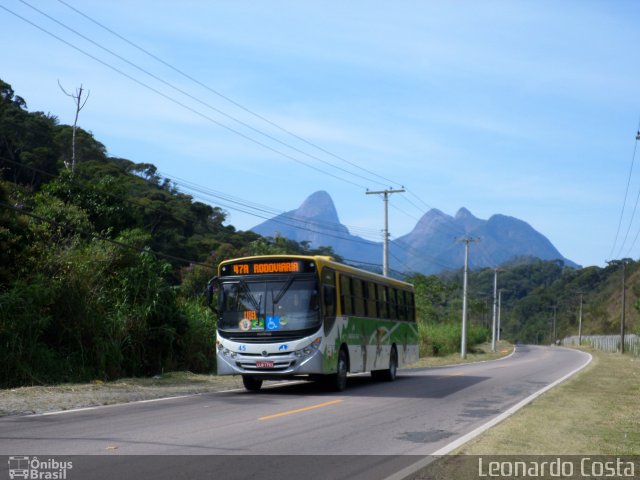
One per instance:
(274, 304)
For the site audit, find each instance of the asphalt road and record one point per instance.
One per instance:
(369, 431)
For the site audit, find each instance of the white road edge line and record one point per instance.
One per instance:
(402, 474)
(95, 407)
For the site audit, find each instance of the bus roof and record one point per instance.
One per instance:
(323, 261)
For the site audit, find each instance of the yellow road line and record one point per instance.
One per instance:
(291, 412)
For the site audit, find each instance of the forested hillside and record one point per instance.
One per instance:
(533, 291)
(101, 270)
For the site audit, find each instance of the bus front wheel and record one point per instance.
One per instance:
(339, 378)
(252, 384)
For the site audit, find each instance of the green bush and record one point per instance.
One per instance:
(25, 358)
(439, 339)
(198, 344)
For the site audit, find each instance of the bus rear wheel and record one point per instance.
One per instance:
(252, 384)
(390, 373)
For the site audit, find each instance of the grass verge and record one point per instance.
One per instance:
(594, 413)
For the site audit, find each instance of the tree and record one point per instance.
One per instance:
(79, 103)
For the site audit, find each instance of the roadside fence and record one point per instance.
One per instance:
(607, 343)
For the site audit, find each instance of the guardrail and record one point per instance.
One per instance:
(607, 343)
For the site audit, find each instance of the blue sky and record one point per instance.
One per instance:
(524, 108)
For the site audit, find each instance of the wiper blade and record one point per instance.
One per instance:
(254, 303)
(283, 290)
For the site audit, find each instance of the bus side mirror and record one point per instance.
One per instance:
(212, 288)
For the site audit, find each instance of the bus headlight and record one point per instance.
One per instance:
(309, 349)
(226, 352)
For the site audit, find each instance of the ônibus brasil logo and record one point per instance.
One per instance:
(37, 469)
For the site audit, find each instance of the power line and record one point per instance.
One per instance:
(624, 202)
(233, 206)
(417, 254)
(635, 239)
(190, 186)
(109, 194)
(243, 206)
(21, 211)
(449, 226)
(244, 108)
(235, 103)
(192, 97)
(181, 104)
(181, 91)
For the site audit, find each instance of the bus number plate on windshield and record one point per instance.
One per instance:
(264, 364)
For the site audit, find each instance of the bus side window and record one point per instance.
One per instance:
(345, 295)
(329, 298)
(402, 305)
(393, 310)
(383, 308)
(358, 297)
(371, 309)
(411, 307)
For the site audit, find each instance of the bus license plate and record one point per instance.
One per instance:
(264, 364)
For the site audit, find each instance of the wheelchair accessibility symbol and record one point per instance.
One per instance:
(273, 323)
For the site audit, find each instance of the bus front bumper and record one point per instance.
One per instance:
(272, 365)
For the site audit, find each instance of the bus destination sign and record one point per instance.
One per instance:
(266, 268)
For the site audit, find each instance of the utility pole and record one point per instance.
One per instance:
(495, 307)
(79, 106)
(499, 311)
(463, 341)
(624, 295)
(555, 310)
(385, 245)
(580, 322)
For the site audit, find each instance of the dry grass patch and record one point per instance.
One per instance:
(41, 399)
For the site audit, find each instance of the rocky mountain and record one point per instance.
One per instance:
(316, 221)
(430, 247)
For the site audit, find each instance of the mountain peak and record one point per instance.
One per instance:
(430, 222)
(464, 214)
(319, 205)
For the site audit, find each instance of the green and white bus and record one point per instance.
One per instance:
(289, 316)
